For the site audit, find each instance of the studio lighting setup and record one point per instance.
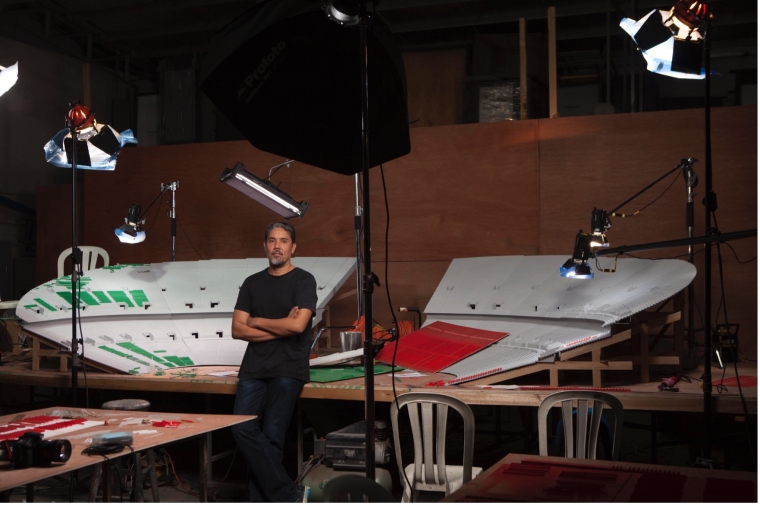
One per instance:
(82, 144)
(8, 77)
(577, 266)
(263, 191)
(97, 145)
(131, 232)
(672, 41)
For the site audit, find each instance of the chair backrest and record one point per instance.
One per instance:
(581, 442)
(355, 489)
(425, 430)
(90, 256)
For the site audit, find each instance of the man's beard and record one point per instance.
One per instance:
(276, 261)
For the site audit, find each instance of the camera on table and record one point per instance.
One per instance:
(31, 450)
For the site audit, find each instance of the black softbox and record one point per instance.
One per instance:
(290, 79)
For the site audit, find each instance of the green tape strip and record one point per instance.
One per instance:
(47, 305)
(101, 296)
(139, 296)
(121, 296)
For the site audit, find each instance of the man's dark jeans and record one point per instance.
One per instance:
(261, 440)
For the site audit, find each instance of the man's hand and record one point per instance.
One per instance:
(295, 322)
(293, 314)
(242, 329)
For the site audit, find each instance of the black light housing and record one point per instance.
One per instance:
(576, 267)
(344, 12)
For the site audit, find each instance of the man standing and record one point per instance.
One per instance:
(273, 314)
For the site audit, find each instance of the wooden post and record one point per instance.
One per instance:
(523, 71)
(552, 63)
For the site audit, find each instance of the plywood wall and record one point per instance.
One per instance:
(507, 188)
(435, 85)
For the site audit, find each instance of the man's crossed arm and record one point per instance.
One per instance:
(259, 329)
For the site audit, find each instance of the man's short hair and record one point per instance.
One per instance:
(285, 226)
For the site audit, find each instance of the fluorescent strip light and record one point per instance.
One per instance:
(264, 192)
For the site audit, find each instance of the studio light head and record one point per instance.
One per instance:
(672, 41)
(130, 232)
(8, 77)
(96, 145)
(344, 12)
(577, 267)
(264, 192)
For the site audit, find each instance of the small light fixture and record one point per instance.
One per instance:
(8, 77)
(263, 191)
(130, 232)
(577, 267)
(671, 41)
(344, 12)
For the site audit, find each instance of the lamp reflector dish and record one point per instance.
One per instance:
(128, 235)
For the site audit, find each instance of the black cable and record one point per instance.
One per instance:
(388, 293)
(188, 239)
(156, 199)
(276, 168)
(614, 213)
(737, 256)
(158, 209)
(387, 230)
(669, 258)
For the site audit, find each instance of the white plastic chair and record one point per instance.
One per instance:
(580, 442)
(428, 415)
(90, 255)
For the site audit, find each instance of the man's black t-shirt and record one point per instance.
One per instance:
(272, 297)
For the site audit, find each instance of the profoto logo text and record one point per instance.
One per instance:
(253, 82)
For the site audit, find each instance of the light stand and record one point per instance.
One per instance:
(172, 186)
(369, 278)
(691, 181)
(710, 206)
(76, 264)
(687, 19)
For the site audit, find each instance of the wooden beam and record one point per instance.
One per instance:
(551, 14)
(523, 70)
